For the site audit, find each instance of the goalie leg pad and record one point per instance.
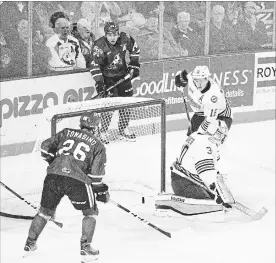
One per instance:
(183, 186)
(186, 206)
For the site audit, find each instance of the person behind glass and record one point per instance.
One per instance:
(222, 36)
(251, 32)
(189, 39)
(109, 66)
(64, 48)
(83, 33)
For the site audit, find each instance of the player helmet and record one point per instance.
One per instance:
(218, 131)
(201, 72)
(111, 27)
(89, 120)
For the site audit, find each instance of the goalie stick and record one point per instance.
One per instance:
(29, 203)
(113, 86)
(141, 219)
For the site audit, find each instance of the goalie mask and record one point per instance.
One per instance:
(200, 76)
(218, 131)
(89, 121)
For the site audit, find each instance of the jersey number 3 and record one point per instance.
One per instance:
(78, 153)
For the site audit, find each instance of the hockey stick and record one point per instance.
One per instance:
(141, 219)
(29, 203)
(113, 86)
(186, 108)
(256, 216)
(242, 208)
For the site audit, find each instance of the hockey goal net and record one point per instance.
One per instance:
(137, 166)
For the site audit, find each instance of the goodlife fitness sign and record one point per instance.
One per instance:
(29, 97)
(234, 72)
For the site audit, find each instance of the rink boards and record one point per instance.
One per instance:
(248, 80)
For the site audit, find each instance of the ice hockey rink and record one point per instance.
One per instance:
(248, 159)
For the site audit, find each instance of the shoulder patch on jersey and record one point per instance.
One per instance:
(214, 99)
(97, 51)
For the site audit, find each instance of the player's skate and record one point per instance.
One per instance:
(30, 246)
(88, 254)
(127, 135)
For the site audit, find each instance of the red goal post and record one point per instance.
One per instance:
(138, 166)
(142, 108)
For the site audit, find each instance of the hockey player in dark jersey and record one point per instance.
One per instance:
(108, 66)
(76, 168)
(207, 98)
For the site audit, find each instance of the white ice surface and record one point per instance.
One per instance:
(249, 162)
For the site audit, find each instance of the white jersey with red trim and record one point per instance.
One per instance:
(211, 103)
(198, 158)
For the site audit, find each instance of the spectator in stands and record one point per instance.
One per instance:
(132, 22)
(11, 13)
(148, 40)
(106, 10)
(65, 49)
(5, 62)
(43, 11)
(126, 6)
(222, 36)
(196, 9)
(40, 54)
(189, 39)
(83, 33)
(232, 14)
(147, 8)
(251, 32)
(71, 9)
(5, 58)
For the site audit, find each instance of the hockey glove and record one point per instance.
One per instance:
(217, 196)
(134, 70)
(101, 191)
(181, 79)
(101, 89)
(48, 157)
(103, 197)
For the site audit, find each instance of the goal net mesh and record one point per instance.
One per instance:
(137, 166)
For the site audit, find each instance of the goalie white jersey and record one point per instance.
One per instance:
(210, 103)
(198, 159)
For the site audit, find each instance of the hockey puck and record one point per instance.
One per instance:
(143, 200)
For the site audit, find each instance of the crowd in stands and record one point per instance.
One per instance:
(233, 27)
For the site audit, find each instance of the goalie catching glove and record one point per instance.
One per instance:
(101, 191)
(181, 79)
